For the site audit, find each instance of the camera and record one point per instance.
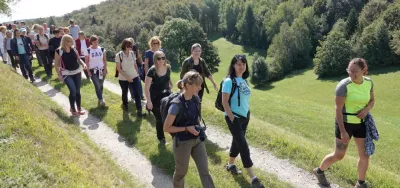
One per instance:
(202, 132)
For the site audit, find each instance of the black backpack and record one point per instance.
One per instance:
(218, 101)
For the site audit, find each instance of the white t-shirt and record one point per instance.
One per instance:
(95, 57)
(43, 40)
(84, 51)
(127, 65)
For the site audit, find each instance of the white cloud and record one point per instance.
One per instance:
(27, 9)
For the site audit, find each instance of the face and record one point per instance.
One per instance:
(62, 32)
(14, 26)
(41, 30)
(70, 43)
(196, 52)
(161, 59)
(45, 25)
(240, 67)
(17, 33)
(81, 36)
(95, 43)
(155, 44)
(9, 35)
(193, 88)
(23, 33)
(355, 72)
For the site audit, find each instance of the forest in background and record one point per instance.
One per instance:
(296, 34)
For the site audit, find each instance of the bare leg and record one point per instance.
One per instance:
(337, 155)
(363, 159)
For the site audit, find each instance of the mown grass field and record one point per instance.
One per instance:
(41, 147)
(141, 134)
(294, 118)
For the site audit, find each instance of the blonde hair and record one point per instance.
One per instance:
(153, 39)
(35, 27)
(131, 39)
(65, 30)
(192, 78)
(3, 29)
(155, 56)
(64, 41)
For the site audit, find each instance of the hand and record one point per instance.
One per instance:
(105, 71)
(17, 58)
(89, 73)
(362, 113)
(149, 105)
(345, 138)
(192, 130)
(171, 86)
(60, 78)
(130, 80)
(84, 67)
(231, 117)
(215, 86)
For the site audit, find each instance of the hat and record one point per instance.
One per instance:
(22, 30)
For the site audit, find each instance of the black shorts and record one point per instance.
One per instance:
(358, 130)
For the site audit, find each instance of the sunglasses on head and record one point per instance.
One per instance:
(238, 56)
(159, 58)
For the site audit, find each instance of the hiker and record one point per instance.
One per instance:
(7, 47)
(82, 44)
(61, 29)
(67, 31)
(97, 64)
(128, 75)
(42, 42)
(69, 67)
(46, 29)
(195, 62)
(237, 115)
(54, 43)
(32, 35)
(158, 85)
(30, 43)
(182, 121)
(139, 63)
(155, 45)
(51, 33)
(2, 37)
(20, 48)
(354, 99)
(73, 30)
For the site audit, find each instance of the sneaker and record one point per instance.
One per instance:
(32, 79)
(102, 103)
(321, 178)
(163, 142)
(74, 113)
(358, 185)
(81, 112)
(142, 98)
(233, 169)
(140, 115)
(256, 183)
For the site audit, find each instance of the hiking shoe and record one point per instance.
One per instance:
(321, 178)
(32, 79)
(233, 169)
(140, 115)
(163, 142)
(256, 183)
(102, 103)
(358, 185)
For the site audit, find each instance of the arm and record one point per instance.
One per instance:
(227, 107)
(339, 112)
(147, 83)
(146, 65)
(363, 113)
(171, 85)
(79, 59)
(139, 56)
(168, 125)
(184, 69)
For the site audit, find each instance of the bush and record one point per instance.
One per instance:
(259, 71)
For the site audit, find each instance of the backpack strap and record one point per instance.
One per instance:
(234, 86)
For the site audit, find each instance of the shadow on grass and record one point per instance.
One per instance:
(128, 129)
(252, 51)
(64, 117)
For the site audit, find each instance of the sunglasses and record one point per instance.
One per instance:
(156, 43)
(129, 47)
(159, 58)
(238, 56)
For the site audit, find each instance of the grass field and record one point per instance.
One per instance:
(294, 118)
(142, 135)
(41, 147)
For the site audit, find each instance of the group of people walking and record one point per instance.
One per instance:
(73, 54)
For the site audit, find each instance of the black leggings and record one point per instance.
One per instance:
(156, 100)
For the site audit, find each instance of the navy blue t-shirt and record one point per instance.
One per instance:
(149, 54)
(192, 116)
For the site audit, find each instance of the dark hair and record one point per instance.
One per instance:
(56, 31)
(231, 70)
(93, 38)
(15, 33)
(361, 63)
(125, 44)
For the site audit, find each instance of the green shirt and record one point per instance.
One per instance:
(357, 97)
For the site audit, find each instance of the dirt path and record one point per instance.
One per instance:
(262, 159)
(99, 132)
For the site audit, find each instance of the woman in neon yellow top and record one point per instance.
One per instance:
(354, 99)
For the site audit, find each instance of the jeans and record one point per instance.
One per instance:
(73, 83)
(13, 63)
(131, 90)
(135, 87)
(239, 144)
(44, 56)
(182, 152)
(98, 83)
(36, 49)
(25, 65)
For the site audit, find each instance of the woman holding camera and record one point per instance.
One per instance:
(183, 121)
(158, 85)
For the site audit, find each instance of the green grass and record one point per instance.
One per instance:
(142, 135)
(294, 119)
(41, 147)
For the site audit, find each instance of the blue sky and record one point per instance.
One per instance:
(27, 9)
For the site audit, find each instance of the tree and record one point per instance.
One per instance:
(5, 8)
(142, 40)
(51, 21)
(180, 10)
(333, 55)
(246, 25)
(391, 17)
(351, 23)
(259, 71)
(371, 12)
(178, 35)
(92, 8)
